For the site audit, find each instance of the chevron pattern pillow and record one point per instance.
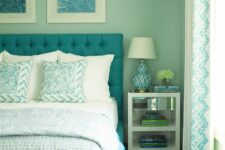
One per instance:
(63, 82)
(14, 81)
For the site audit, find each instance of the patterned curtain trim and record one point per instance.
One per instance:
(200, 72)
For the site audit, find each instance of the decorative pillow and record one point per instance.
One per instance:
(37, 75)
(14, 81)
(97, 74)
(63, 82)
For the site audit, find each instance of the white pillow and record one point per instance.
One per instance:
(1, 55)
(96, 76)
(36, 79)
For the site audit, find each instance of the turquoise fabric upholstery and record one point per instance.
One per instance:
(80, 44)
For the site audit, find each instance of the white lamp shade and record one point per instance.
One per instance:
(142, 48)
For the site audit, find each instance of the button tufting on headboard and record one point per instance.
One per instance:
(59, 44)
(73, 44)
(87, 44)
(17, 44)
(101, 44)
(45, 43)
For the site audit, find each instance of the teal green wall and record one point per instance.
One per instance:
(161, 19)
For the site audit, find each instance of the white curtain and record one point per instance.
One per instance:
(217, 79)
(197, 110)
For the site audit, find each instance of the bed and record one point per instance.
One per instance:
(79, 44)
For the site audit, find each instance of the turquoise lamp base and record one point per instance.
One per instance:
(141, 80)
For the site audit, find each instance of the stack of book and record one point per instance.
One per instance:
(153, 141)
(153, 119)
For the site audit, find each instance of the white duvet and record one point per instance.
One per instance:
(107, 107)
(59, 123)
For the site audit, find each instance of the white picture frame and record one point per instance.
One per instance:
(53, 16)
(27, 17)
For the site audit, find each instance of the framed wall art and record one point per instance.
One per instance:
(17, 11)
(76, 11)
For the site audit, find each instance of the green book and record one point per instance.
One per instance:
(153, 144)
(157, 123)
(153, 125)
(144, 120)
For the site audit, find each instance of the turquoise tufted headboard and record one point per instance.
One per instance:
(81, 44)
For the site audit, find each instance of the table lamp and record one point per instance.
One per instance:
(141, 48)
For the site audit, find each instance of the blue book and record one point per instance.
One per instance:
(153, 138)
(153, 146)
(153, 116)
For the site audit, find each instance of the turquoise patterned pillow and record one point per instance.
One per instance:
(14, 81)
(63, 82)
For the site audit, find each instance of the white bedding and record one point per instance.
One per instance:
(107, 107)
